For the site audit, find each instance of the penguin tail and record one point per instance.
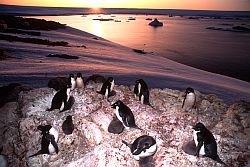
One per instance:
(217, 159)
(126, 143)
(136, 127)
(38, 153)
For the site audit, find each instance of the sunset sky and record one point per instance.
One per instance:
(158, 4)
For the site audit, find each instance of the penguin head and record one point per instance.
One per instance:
(199, 127)
(79, 75)
(189, 90)
(44, 128)
(117, 104)
(71, 75)
(110, 79)
(139, 81)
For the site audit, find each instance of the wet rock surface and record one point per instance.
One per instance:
(91, 143)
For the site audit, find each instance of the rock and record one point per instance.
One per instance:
(95, 141)
(58, 83)
(10, 93)
(63, 56)
(156, 23)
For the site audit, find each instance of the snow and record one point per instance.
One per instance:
(32, 67)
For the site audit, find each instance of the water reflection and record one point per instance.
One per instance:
(97, 28)
(181, 39)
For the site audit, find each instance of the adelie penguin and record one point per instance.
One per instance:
(125, 115)
(189, 100)
(62, 100)
(72, 81)
(79, 81)
(68, 126)
(141, 90)
(142, 147)
(49, 140)
(107, 87)
(205, 143)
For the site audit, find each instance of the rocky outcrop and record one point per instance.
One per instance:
(92, 145)
(156, 23)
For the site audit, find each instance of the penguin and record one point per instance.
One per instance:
(205, 143)
(141, 90)
(144, 146)
(189, 100)
(140, 85)
(60, 99)
(68, 125)
(72, 81)
(79, 81)
(144, 97)
(125, 115)
(107, 87)
(3, 159)
(49, 140)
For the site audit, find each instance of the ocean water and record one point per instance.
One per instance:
(181, 39)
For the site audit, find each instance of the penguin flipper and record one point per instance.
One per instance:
(136, 127)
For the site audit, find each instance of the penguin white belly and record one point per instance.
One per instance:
(202, 150)
(119, 117)
(195, 137)
(139, 88)
(106, 93)
(54, 132)
(142, 99)
(73, 84)
(117, 113)
(189, 102)
(51, 148)
(68, 92)
(112, 86)
(62, 106)
(79, 83)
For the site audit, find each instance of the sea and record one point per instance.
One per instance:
(189, 40)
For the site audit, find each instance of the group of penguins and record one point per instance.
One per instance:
(142, 147)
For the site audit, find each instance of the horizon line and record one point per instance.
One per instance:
(129, 8)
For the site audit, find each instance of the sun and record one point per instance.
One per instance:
(95, 4)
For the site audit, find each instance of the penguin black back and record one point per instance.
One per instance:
(60, 99)
(140, 85)
(142, 147)
(68, 126)
(107, 87)
(205, 140)
(49, 139)
(124, 114)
